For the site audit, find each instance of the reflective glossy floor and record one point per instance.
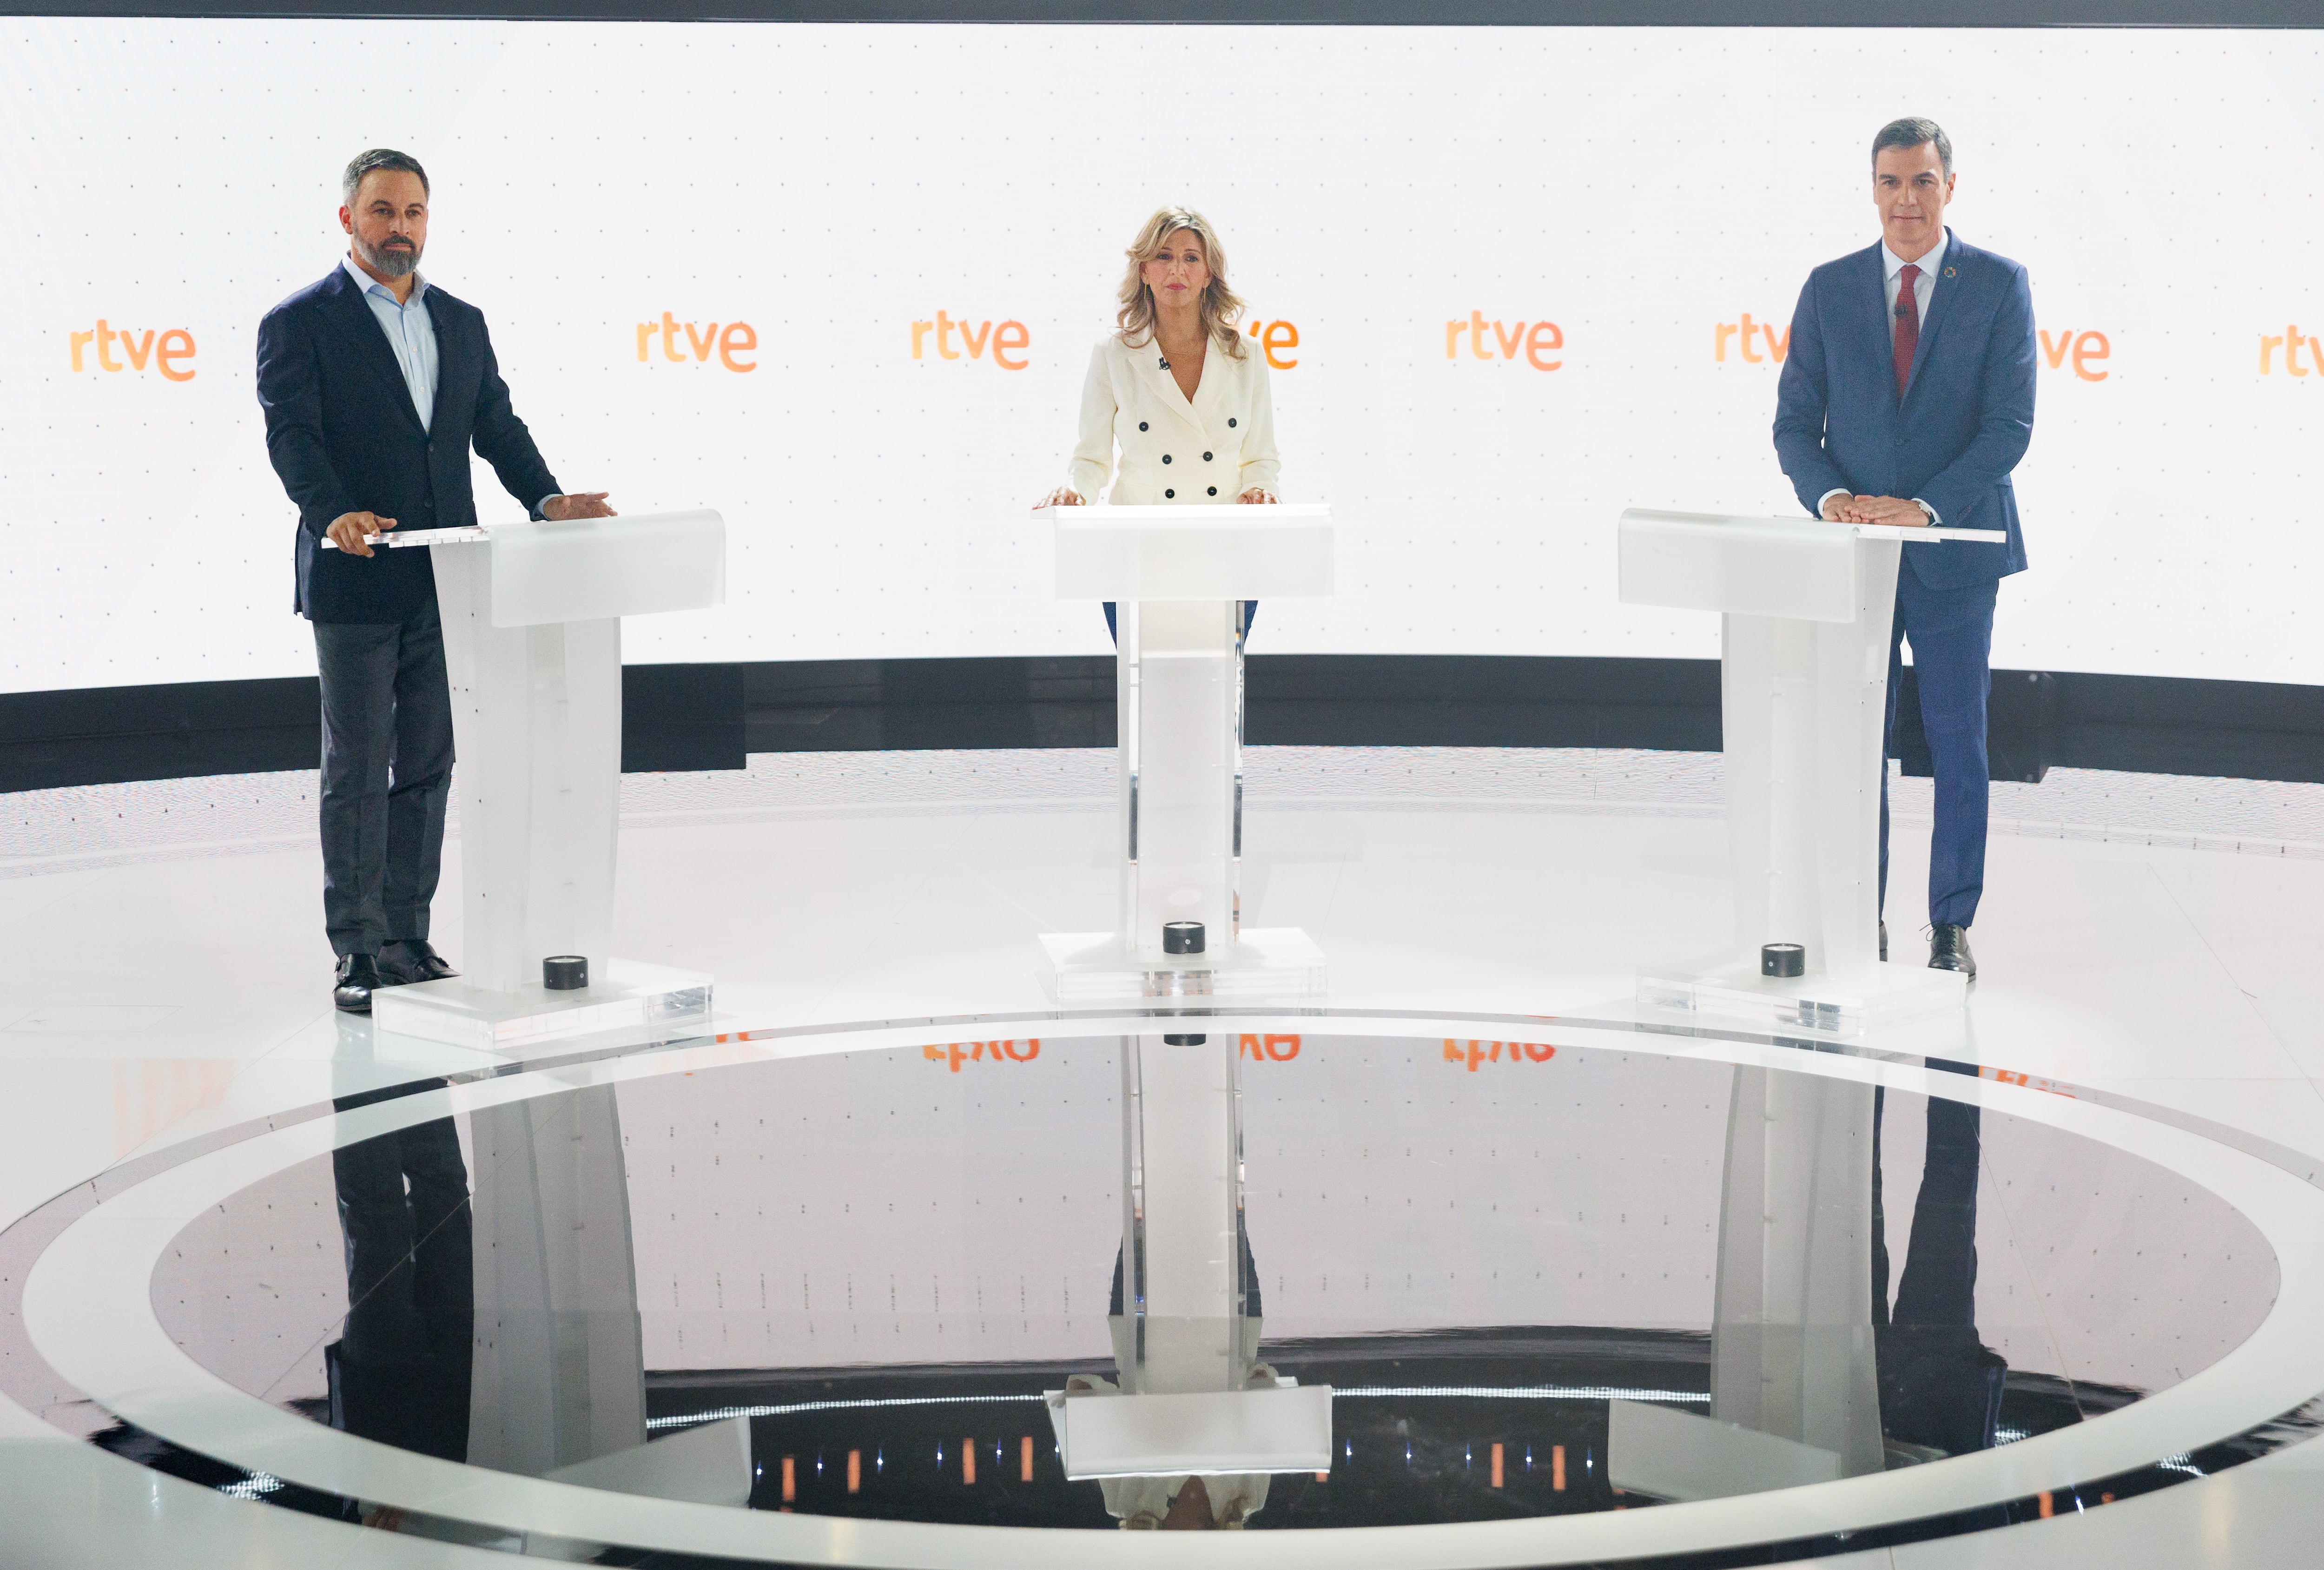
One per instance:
(2046, 1292)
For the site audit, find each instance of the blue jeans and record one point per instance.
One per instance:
(387, 774)
(1952, 633)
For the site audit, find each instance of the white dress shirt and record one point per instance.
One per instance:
(412, 337)
(1891, 277)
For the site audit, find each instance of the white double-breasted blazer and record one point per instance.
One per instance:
(1212, 450)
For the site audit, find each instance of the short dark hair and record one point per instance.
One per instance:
(1912, 132)
(372, 163)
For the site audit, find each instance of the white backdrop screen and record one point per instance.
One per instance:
(703, 251)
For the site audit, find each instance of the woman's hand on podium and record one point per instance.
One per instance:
(1257, 496)
(580, 505)
(1063, 496)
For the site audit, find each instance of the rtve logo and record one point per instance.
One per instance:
(959, 1052)
(162, 353)
(1536, 340)
(1257, 1048)
(1009, 338)
(1274, 338)
(1472, 1053)
(1745, 333)
(2268, 344)
(2086, 348)
(681, 345)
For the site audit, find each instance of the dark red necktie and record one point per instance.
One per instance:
(1908, 324)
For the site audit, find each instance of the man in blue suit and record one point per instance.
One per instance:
(1907, 398)
(375, 385)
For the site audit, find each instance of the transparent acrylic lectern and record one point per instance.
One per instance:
(533, 644)
(1178, 574)
(1804, 686)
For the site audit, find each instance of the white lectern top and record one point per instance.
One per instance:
(1802, 568)
(588, 570)
(1230, 552)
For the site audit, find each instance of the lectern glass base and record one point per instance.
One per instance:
(1105, 1434)
(1735, 992)
(462, 1014)
(1265, 962)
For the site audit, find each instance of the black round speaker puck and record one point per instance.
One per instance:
(1182, 937)
(1782, 959)
(565, 972)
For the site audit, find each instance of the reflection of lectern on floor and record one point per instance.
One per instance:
(1804, 694)
(1177, 573)
(1185, 1343)
(1794, 1380)
(532, 642)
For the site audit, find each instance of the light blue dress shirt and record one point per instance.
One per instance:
(411, 335)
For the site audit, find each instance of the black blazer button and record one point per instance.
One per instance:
(1169, 495)
(1141, 425)
(1166, 457)
(1207, 458)
(1230, 422)
(1214, 490)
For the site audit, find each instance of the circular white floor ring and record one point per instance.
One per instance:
(88, 1308)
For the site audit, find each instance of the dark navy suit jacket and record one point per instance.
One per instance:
(1965, 418)
(343, 434)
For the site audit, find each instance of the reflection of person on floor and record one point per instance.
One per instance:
(400, 1371)
(1204, 1502)
(1940, 1386)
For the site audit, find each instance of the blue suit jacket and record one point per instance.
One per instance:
(344, 437)
(1965, 418)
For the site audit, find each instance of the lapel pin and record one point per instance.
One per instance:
(1949, 272)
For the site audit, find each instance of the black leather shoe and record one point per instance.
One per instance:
(412, 959)
(1949, 949)
(1884, 942)
(358, 976)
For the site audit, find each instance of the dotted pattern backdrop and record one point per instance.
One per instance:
(644, 211)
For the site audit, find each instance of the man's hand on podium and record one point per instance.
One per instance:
(1063, 496)
(353, 533)
(1257, 496)
(1889, 511)
(580, 505)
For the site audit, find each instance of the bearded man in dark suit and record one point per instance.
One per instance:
(376, 384)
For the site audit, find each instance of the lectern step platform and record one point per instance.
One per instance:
(460, 1014)
(1264, 962)
(1733, 991)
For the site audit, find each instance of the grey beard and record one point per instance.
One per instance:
(394, 264)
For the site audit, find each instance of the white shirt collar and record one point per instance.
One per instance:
(366, 284)
(1892, 264)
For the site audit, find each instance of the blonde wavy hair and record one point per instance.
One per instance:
(1221, 308)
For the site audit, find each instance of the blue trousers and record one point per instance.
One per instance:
(1951, 635)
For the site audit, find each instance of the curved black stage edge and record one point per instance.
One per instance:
(712, 716)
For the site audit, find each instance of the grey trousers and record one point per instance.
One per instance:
(387, 774)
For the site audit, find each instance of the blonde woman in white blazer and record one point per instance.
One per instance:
(1175, 387)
